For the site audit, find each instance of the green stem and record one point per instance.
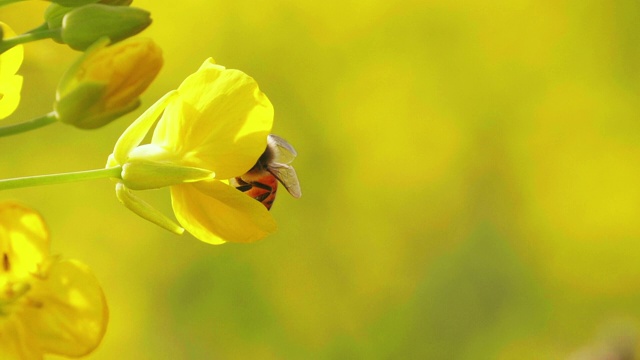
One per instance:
(52, 179)
(42, 27)
(7, 44)
(14, 129)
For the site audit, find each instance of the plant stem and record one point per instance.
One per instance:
(7, 44)
(14, 129)
(52, 179)
(40, 28)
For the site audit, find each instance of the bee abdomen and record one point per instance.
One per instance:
(262, 190)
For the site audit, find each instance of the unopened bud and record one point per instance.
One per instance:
(106, 82)
(83, 26)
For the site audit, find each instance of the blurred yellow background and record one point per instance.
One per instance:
(470, 174)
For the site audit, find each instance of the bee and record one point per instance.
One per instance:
(261, 182)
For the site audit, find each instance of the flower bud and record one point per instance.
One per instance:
(55, 12)
(106, 82)
(83, 26)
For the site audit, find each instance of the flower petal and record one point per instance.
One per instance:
(24, 239)
(136, 132)
(14, 342)
(11, 59)
(67, 311)
(221, 122)
(9, 94)
(10, 84)
(215, 212)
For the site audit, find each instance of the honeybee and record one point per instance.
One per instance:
(261, 182)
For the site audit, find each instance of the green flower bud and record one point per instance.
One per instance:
(106, 81)
(83, 26)
(54, 14)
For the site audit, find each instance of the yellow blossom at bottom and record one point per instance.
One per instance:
(47, 305)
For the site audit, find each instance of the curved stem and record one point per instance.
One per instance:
(52, 179)
(42, 27)
(7, 44)
(14, 129)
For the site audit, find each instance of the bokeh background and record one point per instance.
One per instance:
(470, 175)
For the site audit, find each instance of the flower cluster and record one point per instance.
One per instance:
(211, 146)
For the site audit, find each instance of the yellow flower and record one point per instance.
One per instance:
(47, 305)
(10, 83)
(106, 81)
(213, 128)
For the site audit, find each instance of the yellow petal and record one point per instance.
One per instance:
(16, 343)
(11, 59)
(215, 212)
(136, 132)
(127, 67)
(10, 87)
(67, 312)
(24, 239)
(221, 122)
(10, 84)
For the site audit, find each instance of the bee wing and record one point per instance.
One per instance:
(283, 152)
(286, 174)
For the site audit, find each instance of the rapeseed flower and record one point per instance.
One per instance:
(47, 305)
(214, 127)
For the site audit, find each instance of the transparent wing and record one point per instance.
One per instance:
(288, 177)
(283, 152)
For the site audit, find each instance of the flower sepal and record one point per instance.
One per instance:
(73, 110)
(53, 15)
(146, 211)
(146, 174)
